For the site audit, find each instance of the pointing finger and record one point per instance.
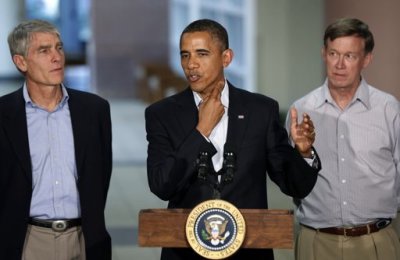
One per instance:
(293, 117)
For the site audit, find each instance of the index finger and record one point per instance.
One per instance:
(293, 116)
(217, 90)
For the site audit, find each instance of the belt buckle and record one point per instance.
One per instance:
(382, 223)
(59, 225)
(347, 231)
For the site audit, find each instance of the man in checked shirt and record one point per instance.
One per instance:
(348, 213)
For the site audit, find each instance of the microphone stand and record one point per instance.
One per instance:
(227, 171)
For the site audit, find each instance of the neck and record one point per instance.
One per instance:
(342, 96)
(47, 98)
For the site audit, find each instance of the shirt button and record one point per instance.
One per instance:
(345, 203)
(343, 181)
(342, 159)
(341, 136)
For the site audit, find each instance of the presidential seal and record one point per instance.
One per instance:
(215, 229)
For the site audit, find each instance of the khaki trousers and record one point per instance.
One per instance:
(396, 224)
(314, 245)
(46, 244)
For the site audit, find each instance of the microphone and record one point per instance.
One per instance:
(202, 165)
(229, 165)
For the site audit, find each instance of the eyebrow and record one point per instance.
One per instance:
(197, 50)
(48, 46)
(203, 50)
(347, 52)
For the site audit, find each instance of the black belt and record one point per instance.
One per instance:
(58, 225)
(355, 231)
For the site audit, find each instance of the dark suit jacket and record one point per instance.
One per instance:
(91, 125)
(258, 139)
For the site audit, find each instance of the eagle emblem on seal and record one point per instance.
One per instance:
(215, 226)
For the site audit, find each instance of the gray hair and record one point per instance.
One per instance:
(19, 38)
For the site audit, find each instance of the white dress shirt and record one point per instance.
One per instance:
(218, 134)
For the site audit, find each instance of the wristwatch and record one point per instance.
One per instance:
(314, 159)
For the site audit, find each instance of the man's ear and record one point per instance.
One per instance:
(227, 57)
(367, 59)
(323, 53)
(20, 62)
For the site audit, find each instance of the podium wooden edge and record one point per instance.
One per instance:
(265, 228)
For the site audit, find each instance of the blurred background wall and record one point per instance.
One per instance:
(127, 49)
(11, 13)
(126, 35)
(128, 52)
(383, 19)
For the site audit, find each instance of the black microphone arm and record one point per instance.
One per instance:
(203, 165)
(229, 166)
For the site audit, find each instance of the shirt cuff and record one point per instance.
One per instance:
(313, 161)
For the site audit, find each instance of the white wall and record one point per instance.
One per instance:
(289, 42)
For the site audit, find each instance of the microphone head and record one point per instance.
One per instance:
(202, 163)
(229, 165)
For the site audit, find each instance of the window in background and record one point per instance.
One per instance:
(237, 16)
(43, 9)
(72, 20)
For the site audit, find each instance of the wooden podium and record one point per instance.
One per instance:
(264, 228)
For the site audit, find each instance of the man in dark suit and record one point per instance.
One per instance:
(212, 117)
(56, 158)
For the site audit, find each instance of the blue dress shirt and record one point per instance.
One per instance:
(54, 175)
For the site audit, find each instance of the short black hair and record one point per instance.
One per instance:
(349, 27)
(215, 29)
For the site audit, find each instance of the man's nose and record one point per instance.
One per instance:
(340, 62)
(192, 62)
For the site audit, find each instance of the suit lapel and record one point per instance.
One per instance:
(79, 120)
(15, 127)
(187, 111)
(237, 119)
